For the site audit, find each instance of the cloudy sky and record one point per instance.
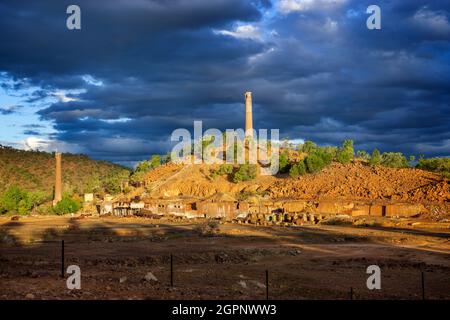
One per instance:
(138, 69)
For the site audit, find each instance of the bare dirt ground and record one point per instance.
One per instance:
(308, 262)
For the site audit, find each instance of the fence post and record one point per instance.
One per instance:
(62, 258)
(423, 286)
(351, 293)
(171, 270)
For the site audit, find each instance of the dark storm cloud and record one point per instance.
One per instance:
(9, 110)
(155, 66)
(32, 133)
(33, 126)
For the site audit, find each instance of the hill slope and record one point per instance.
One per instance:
(35, 171)
(354, 181)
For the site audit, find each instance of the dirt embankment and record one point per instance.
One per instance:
(355, 181)
(361, 182)
(194, 180)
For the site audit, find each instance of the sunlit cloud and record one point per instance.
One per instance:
(288, 6)
(242, 32)
(433, 20)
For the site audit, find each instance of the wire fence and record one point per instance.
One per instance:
(261, 281)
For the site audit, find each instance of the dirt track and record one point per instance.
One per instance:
(313, 262)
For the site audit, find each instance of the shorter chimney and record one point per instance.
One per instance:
(58, 179)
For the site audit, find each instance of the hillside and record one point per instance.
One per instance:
(34, 171)
(353, 181)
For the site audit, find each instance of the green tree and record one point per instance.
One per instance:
(206, 141)
(284, 163)
(325, 154)
(375, 159)
(143, 166)
(245, 172)
(36, 199)
(155, 161)
(24, 207)
(394, 160)
(308, 147)
(298, 169)
(19, 201)
(346, 152)
(224, 169)
(10, 200)
(112, 185)
(439, 165)
(147, 165)
(314, 163)
(67, 205)
(363, 155)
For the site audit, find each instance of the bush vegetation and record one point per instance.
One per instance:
(284, 164)
(394, 160)
(67, 205)
(245, 172)
(15, 200)
(208, 229)
(297, 169)
(34, 171)
(375, 159)
(345, 153)
(315, 158)
(438, 165)
(27, 178)
(224, 169)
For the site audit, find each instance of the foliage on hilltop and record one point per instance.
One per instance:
(27, 177)
(438, 165)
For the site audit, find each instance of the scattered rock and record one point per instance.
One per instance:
(29, 296)
(243, 284)
(15, 218)
(221, 257)
(8, 239)
(258, 284)
(294, 252)
(150, 277)
(123, 279)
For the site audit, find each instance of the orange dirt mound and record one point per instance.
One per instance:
(358, 181)
(355, 181)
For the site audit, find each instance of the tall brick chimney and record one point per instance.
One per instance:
(58, 179)
(248, 115)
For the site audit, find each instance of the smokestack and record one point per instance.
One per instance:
(58, 179)
(248, 115)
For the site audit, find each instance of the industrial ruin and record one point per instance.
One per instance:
(256, 210)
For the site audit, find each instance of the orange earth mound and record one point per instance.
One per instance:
(355, 181)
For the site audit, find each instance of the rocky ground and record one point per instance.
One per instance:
(129, 258)
(355, 182)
